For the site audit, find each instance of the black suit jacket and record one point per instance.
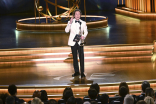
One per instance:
(140, 97)
(86, 98)
(18, 101)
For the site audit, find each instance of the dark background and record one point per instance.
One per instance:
(27, 6)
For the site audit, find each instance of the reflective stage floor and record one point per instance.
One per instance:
(60, 74)
(121, 30)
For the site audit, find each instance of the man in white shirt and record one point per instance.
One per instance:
(74, 26)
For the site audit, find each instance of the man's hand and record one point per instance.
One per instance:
(71, 20)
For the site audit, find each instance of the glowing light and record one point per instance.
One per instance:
(16, 35)
(108, 29)
(99, 6)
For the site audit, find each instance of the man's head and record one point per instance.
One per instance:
(149, 100)
(149, 92)
(12, 89)
(79, 101)
(44, 96)
(128, 99)
(104, 99)
(141, 102)
(66, 89)
(71, 100)
(37, 93)
(144, 85)
(96, 87)
(124, 84)
(123, 91)
(10, 100)
(3, 96)
(52, 101)
(77, 14)
(92, 93)
(86, 102)
(36, 100)
(67, 94)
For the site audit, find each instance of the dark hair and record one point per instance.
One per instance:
(36, 94)
(141, 102)
(66, 89)
(1, 101)
(44, 96)
(67, 95)
(71, 100)
(79, 101)
(92, 93)
(12, 89)
(149, 92)
(76, 11)
(123, 91)
(144, 85)
(155, 94)
(52, 101)
(10, 100)
(96, 87)
(104, 98)
(93, 102)
(125, 85)
(3, 96)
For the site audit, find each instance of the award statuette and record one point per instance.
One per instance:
(82, 40)
(77, 38)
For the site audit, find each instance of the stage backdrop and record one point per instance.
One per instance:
(18, 6)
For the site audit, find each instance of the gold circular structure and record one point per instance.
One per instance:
(56, 17)
(58, 26)
(58, 23)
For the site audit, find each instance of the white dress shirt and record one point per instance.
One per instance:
(74, 29)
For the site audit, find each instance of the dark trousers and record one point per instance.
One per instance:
(78, 49)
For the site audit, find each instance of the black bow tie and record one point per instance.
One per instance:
(78, 22)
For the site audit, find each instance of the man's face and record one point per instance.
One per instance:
(77, 15)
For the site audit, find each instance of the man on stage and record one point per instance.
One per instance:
(76, 26)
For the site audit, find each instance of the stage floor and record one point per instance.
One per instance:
(121, 30)
(60, 73)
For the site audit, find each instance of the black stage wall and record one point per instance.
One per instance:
(27, 6)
